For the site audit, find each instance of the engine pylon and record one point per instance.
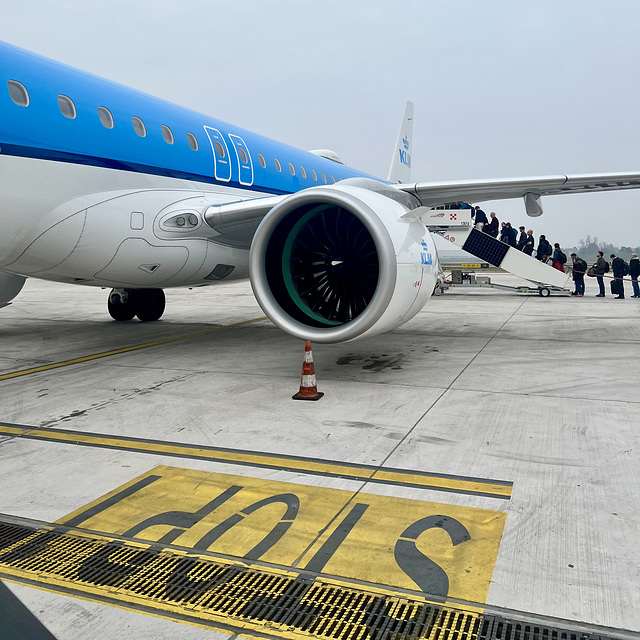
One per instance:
(308, 388)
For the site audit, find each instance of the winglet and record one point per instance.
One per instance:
(400, 170)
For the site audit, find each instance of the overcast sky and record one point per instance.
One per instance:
(501, 88)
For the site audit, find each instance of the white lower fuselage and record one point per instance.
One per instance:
(86, 225)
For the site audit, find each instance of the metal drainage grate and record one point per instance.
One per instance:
(499, 628)
(181, 584)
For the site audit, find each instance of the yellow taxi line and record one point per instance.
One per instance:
(114, 352)
(425, 480)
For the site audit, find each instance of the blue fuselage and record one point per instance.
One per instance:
(109, 118)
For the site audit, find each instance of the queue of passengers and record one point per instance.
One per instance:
(524, 241)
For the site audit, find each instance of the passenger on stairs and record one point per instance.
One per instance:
(522, 240)
(530, 243)
(481, 218)
(511, 235)
(493, 226)
(559, 258)
(544, 249)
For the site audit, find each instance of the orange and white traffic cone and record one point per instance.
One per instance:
(308, 388)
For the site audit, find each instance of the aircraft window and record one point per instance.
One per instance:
(105, 117)
(219, 149)
(262, 161)
(67, 108)
(167, 134)
(18, 93)
(315, 175)
(303, 172)
(193, 141)
(292, 169)
(333, 180)
(278, 165)
(324, 178)
(243, 155)
(138, 126)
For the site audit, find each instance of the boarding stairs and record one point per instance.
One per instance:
(456, 226)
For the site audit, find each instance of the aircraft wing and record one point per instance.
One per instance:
(236, 222)
(433, 194)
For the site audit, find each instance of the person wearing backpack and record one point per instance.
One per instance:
(579, 269)
(559, 258)
(620, 268)
(544, 249)
(634, 272)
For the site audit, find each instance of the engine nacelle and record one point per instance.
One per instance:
(335, 263)
(10, 287)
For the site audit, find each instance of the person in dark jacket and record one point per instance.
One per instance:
(530, 243)
(579, 269)
(600, 268)
(522, 240)
(511, 235)
(634, 272)
(494, 225)
(544, 249)
(504, 233)
(481, 218)
(558, 257)
(617, 266)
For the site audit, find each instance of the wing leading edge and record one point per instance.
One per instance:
(432, 194)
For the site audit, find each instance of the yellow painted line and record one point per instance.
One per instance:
(410, 478)
(449, 484)
(441, 549)
(115, 352)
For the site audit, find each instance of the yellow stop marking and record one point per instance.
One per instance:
(436, 548)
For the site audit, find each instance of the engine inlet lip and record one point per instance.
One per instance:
(386, 256)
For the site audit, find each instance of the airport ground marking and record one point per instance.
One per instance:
(440, 549)
(490, 488)
(229, 594)
(115, 352)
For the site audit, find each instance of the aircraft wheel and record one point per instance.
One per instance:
(544, 292)
(118, 309)
(149, 304)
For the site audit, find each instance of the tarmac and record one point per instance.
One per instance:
(485, 454)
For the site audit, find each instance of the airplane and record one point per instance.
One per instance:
(102, 185)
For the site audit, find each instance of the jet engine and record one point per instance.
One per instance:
(10, 287)
(340, 262)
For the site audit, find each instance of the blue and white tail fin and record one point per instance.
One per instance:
(400, 170)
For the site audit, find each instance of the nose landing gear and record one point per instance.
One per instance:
(147, 304)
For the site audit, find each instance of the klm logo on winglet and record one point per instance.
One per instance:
(425, 256)
(405, 156)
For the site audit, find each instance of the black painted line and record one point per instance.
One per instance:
(104, 505)
(328, 548)
(244, 452)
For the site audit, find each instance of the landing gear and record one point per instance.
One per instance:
(119, 305)
(147, 304)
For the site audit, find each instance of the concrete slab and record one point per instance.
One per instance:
(484, 384)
